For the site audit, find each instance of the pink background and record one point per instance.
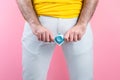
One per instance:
(106, 28)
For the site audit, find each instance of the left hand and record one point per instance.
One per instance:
(75, 33)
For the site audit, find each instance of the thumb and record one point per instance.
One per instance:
(51, 37)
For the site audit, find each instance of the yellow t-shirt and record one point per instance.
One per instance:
(58, 8)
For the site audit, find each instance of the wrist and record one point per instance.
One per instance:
(35, 25)
(81, 24)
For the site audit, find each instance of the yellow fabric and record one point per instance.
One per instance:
(58, 8)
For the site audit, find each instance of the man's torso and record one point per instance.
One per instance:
(58, 8)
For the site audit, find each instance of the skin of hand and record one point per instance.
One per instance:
(75, 33)
(78, 30)
(29, 14)
(43, 34)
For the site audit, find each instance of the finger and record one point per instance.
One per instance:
(66, 37)
(39, 39)
(75, 36)
(68, 40)
(39, 36)
(71, 36)
(51, 37)
(42, 36)
(36, 34)
(79, 36)
(47, 37)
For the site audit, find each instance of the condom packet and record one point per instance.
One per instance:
(59, 39)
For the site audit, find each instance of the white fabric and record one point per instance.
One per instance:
(36, 55)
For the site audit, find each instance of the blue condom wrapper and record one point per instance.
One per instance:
(59, 39)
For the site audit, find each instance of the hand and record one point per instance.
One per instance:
(43, 34)
(75, 33)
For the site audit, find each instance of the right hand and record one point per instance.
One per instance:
(43, 34)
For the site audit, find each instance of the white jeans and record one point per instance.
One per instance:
(36, 55)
